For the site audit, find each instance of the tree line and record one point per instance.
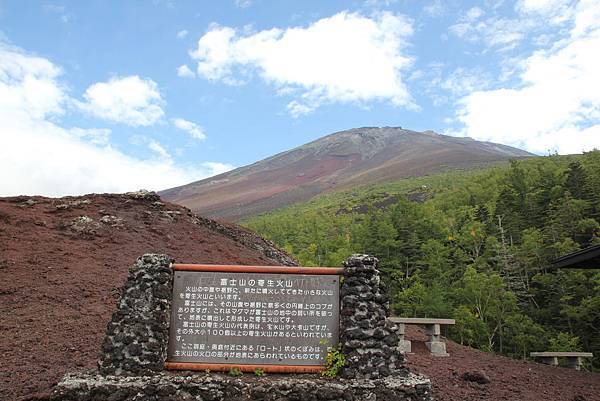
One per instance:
(476, 246)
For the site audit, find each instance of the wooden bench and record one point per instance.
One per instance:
(435, 344)
(551, 358)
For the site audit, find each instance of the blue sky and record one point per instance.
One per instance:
(101, 96)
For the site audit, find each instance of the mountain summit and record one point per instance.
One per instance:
(341, 160)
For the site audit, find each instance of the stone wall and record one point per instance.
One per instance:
(131, 364)
(368, 340)
(138, 334)
(216, 387)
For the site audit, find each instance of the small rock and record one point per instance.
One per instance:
(112, 221)
(476, 376)
(84, 225)
(73, 204)
(143, 195)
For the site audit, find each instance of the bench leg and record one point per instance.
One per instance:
(404, 346)
(549, 360)
(574, 362)
(435, 344)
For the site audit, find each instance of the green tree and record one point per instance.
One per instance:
(419, 300)
(446, 253)
(489, 301)
(576, 181)
(469, 329)
(522, 335)
(564, 342)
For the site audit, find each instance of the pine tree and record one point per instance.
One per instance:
(514, 276)
(576, 182)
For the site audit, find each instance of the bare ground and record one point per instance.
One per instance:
(510, 379)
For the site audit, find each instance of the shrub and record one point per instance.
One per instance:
(334, 361)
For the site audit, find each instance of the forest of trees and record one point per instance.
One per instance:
(475, 246)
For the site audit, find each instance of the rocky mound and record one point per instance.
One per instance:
(63, 262)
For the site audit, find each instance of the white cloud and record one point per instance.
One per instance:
(96, 136)
(444, 86)
(192, 128)
(501, 33)
(184, 71)
(159, 150)
(344, 58)
(37, 93)
(38, 156)
(541, 6)
(217, 168)
(182, 34)
(129, 100)
(556, 105)
(435, 9)
(474, 13)
(242, 3)
(298, 109)
(459, 82)
(497, 31)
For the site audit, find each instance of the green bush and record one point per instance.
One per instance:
(334, 361)
(235, 372)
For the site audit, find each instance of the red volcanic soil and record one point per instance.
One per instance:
(510, 379)
(60, 279)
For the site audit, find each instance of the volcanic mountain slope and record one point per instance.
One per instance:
(63, 262)
(338, 161)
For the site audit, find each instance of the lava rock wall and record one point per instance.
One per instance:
(211, 387)
(138, 334)
(369, 341)
(131, 364)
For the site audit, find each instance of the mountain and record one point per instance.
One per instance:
(338, 161)
(63, 262)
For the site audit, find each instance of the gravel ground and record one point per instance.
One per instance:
(510, 379)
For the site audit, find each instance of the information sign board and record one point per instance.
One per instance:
(253, 316)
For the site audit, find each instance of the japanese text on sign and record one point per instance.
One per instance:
(253, 318)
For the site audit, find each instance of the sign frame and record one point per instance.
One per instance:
(267, 368)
